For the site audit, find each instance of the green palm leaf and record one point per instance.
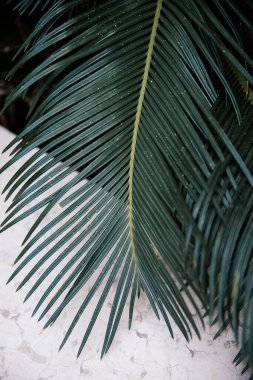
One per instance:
(140, 109)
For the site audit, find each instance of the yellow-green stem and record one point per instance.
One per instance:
(137, 120)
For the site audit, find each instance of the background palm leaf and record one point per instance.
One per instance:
(145, 105)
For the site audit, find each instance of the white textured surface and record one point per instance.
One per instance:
(146, 352)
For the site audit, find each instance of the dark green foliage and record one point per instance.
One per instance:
(187, 240)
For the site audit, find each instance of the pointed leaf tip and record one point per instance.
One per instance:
(26, 297)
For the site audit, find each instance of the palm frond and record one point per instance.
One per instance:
(145, 108)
